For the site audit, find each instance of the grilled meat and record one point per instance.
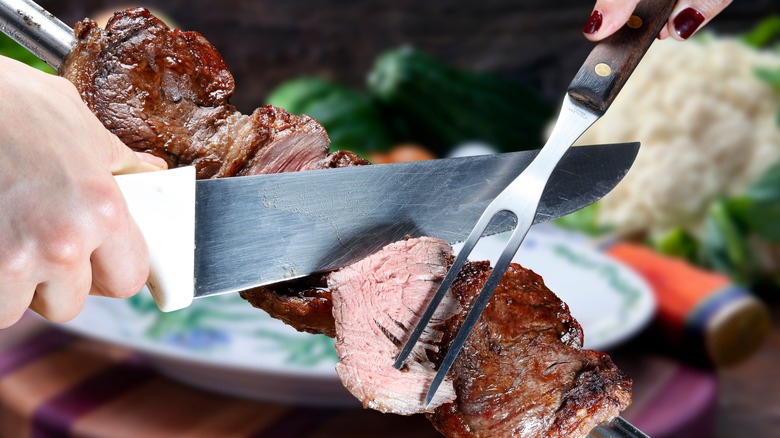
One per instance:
(376, 302)
(304, 303)
(523, 372)
(167, 92)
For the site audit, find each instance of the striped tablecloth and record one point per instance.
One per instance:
(53, 383)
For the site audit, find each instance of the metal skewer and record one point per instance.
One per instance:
(36, 30)
(616, 428)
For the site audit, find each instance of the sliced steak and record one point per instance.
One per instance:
(376, 301)
(293, 143)
(304, 303)
(167, 92)
(523, 372)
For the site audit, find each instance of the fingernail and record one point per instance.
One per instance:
(152, 159)
(687, 21)
(593, 24)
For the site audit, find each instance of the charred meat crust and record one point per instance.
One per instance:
(523, 371)
(167, 92)
(343, 159)
(304, 303)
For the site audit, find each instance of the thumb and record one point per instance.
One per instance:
(607, 17)
(125, 160)
(691, 15)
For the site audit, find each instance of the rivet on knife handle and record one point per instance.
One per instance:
(612, 61)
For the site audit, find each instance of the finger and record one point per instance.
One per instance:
(106, 146)
(607, 17)
(125, 160)
(120, 265)
(154, 160)
(17, 277)
(691, 15)
(62, 297)
(15, 298)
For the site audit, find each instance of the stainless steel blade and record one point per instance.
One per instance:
(258, 230)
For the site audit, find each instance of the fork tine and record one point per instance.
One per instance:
(521, 197)
(482, 300)
(445, 285)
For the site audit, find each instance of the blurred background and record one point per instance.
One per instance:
(266, 43)
(698, 216)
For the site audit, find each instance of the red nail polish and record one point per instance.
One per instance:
(687, 21)
(594, 23)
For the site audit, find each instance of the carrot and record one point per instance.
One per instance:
(699, 312)
(401, 153)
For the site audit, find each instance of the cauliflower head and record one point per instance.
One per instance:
(707, 127)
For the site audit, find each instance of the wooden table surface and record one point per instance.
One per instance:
(56, 383)
(52, 380)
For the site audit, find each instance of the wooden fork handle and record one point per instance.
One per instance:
(612, 61)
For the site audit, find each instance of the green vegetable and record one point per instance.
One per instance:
(725, 246)
(12, 49)
(759, 207)
(352, 119)
(677, 243)
(735, 224)
(764, 33)
(772, 77)
(440, 107)
(584, 220)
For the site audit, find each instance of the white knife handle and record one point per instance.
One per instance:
(163, 205)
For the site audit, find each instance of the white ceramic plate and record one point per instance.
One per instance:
(223, 344)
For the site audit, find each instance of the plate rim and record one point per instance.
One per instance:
(160, 351)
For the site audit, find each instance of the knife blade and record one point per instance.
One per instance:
(290, 225)
(259, 230)
(256, 230)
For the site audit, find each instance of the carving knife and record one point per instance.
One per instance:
(225, 235)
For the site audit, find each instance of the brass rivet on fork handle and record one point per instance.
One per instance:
(588, 97)
(634, 22)
(603, 69)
